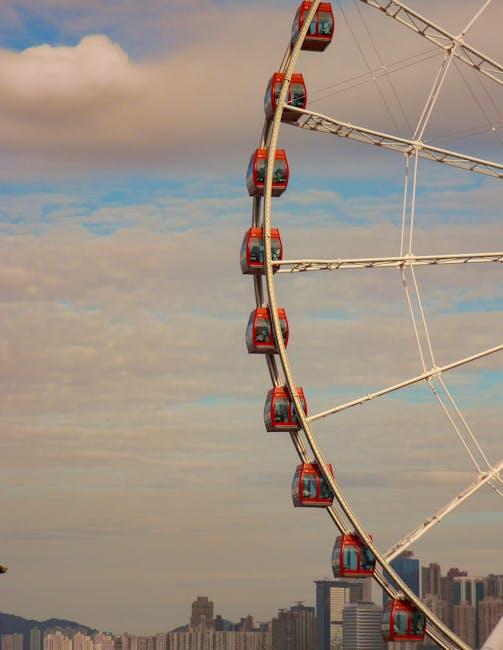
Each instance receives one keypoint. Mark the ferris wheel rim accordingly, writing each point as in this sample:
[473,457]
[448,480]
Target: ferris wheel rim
[270,136]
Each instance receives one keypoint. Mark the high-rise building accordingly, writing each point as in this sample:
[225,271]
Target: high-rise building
[12,641]
[57,641]
[331,598]
[82,642]
[464,623]
[103,642]
[35,638]
[218,623]
[208,639]
[122,642]
[246,624]
[471,590]
[407,568]
[161,641]
[494,586]
[447,587]
[202,612]
[294,629]
[431,580]
[436,605]
[490,612]
[361,627]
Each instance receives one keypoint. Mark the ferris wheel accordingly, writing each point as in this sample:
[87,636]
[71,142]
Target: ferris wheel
[355,555]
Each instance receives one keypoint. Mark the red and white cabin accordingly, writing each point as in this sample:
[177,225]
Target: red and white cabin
[309,488]
[402,621]
[297,96]
[352,558]
[321,30]
[252,250]
[279,410]
[259,333]
[257,169]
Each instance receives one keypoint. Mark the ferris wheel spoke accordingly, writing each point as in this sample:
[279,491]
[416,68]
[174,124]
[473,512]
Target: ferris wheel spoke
[424,527]
[408,382]
[325,124]
[440,37]
[303,265]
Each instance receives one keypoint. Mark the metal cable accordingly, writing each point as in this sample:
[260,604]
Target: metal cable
[388,108]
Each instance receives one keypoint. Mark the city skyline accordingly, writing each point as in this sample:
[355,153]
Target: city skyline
[135,464]
[345,618]
[204,611]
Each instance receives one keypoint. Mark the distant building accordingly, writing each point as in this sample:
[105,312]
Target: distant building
[294,629]
[447,591]
[57,641]
[82,642]
[202,612]
[361,627]
[494,585]
[431,580]
[436,605]
[208,639]
[218,623]
[331,598]
[161,641]
[464,619]
[490,612]
[122,642]
[12,641]
[407,568]
[35,639]
[471,590]
[246,624]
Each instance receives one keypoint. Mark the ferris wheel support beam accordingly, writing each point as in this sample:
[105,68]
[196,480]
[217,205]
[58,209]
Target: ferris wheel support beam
[403,384]
[423,528]
[299,266]
[325,124]
[440,37]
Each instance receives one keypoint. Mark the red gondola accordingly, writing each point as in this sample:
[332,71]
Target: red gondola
[321,30]
[255,176]
[352,558]
[297,96]
[259,334]
[402,621]
[279,410]
[252,250]
[309,488]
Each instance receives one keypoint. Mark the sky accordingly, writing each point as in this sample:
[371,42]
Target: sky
[136,471]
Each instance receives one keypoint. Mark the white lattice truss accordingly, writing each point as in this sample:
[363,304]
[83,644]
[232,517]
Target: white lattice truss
[301,266]
[441,37]
[325,124]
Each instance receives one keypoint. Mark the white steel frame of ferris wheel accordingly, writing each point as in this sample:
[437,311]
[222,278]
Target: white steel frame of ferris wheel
[415,148]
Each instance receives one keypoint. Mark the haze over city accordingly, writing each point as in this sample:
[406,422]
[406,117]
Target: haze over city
[135,465]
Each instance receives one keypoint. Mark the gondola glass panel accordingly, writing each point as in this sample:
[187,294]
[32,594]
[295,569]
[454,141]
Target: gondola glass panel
[351,557]
[306,487]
